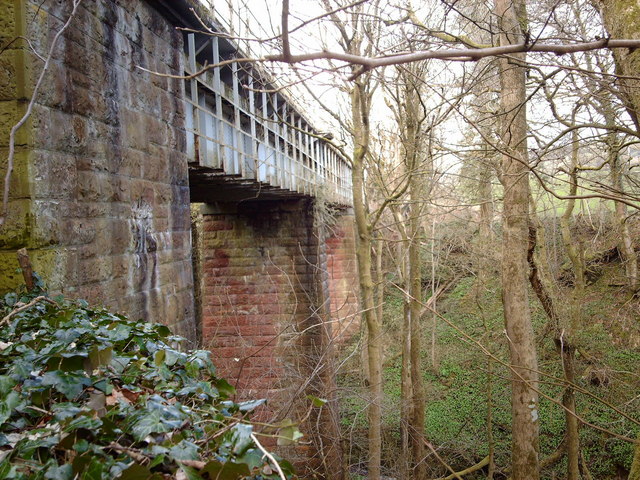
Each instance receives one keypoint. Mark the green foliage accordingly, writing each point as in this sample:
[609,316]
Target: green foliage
[88,394]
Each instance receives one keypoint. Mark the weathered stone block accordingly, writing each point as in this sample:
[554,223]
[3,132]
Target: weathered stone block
[8,87]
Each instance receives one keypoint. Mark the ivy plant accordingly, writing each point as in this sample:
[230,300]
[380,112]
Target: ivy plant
[89,394]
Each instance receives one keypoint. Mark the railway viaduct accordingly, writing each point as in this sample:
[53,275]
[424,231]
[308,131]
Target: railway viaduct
[209,204]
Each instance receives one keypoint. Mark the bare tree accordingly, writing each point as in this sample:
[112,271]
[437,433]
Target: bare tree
[515,180]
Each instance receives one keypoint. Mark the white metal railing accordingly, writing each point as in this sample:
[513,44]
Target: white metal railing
[254,134]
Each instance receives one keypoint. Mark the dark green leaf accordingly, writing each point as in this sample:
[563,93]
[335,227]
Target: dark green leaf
[63,472]
[65,410]
[83,421]
[7,406]
[185,450]
[94,470]
[99,356]
[157,460]
[135,472]
[163,331]
[191,473]
[241,438]
[69,384]
[226,471]
[225,388]
[6,385]
[253,457]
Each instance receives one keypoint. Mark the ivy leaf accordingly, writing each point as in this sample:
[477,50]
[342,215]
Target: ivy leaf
[185,450]
[63,472]
[10,299]
[317,402]
[227,470]
[83,421]
[135,472]
[158,357]
[225,388]
[241,438]
[190,473]
[69,384]
[119,332]
[289,435]
[6,385]
[99,357]
[7,406]
[148,424]
[65,410]
[253,457]
[162,330]
[251,405]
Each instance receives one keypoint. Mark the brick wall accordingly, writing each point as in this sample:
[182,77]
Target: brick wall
[100,191]
[265,312]
[342,271]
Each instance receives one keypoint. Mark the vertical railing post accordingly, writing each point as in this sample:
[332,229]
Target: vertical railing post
[252,112]
[277,129]
[217,92]
[265,131]
[238,162]
[293,160]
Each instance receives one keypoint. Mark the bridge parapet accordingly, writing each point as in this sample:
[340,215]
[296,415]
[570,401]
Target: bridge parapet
[244,133]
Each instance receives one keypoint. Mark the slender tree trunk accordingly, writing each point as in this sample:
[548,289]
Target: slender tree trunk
[406,394]
[434,316]
[566,342]
[514,177]
[379,290]
[622,20]
[485,237]
[415,276]
[625,244]
[360,119]
[634,473]
[406,388]
[571,421]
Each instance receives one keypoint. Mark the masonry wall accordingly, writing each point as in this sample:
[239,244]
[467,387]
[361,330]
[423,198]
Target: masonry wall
[342,273]
[266,315]
[99,194]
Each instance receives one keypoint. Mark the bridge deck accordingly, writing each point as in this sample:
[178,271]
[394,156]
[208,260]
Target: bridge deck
[243,135]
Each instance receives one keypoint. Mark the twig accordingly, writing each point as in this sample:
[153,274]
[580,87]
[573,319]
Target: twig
[455,55]
[269,456]
[41,298]
[197,464]
[482,463]
[136,455]
[442,461]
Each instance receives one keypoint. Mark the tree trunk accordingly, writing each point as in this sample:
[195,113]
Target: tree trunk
[567,353]
[517,316]
[625,244]
[634,473]
[360,119]
[622,20]
[415,277]
[406,395]
[485,234]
